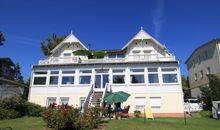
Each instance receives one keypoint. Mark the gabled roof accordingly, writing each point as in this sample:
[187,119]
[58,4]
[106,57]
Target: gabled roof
[142,35]
[69,39]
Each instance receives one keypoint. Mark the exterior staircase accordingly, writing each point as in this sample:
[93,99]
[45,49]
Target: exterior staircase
[96,99]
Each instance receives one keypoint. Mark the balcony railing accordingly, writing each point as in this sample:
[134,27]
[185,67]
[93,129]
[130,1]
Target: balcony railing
[131,58]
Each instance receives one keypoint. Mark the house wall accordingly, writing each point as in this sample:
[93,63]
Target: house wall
[170,93]
[195,66]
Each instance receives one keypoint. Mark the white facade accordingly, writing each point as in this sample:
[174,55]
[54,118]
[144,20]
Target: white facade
[143,68]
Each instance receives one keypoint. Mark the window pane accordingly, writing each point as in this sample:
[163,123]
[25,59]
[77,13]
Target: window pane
[85,71]
[155,102]
[101,71]
[68,72]
[51,100]
[84,79]
[168,69]
[137,78]
[64,100]
[170,78]
[40,72]
[40,80]
[111,55]
[67,54]
[153,78]
[68,80]
[54,72]
[118,71]
[140,103]
[137,70]
[121,56]
[54,80]
[152,69]
[118,79]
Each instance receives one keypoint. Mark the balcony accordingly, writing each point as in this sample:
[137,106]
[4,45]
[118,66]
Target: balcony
[131,58]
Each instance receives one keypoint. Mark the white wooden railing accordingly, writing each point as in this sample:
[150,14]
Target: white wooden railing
[130,58]
[107,89]
[88,98]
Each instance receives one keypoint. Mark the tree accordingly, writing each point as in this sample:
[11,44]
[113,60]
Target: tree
[50,43]
[212,92]
[2,39]
[17,74]
[186,87]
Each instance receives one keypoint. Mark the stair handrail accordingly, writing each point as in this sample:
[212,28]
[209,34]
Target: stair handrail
[86,103]
[103,95]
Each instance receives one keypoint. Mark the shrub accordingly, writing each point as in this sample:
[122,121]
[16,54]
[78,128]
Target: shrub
[82,52]
[14,104]
[99,54]
[90,119]
[8,113]
[60,117]
[137,113]
[207,114]
[33,109]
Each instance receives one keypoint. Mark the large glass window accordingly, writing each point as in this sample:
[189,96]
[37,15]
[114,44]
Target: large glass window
[40,80]
[153,75]
[137,76]
[169,75]
[85,79]
[137,79]
[67,79]
[118,76]
[118,79]
[170,78]
[54,77]
[111,55]
[153,78]
[54,80]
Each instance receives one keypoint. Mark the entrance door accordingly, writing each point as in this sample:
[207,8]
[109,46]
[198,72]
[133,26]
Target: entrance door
[101,80]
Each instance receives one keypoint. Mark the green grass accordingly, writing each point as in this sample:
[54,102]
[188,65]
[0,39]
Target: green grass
[36,123]
[164,124]
[24,123]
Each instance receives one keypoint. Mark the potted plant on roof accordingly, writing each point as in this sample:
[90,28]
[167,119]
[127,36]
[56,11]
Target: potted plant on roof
[99,54]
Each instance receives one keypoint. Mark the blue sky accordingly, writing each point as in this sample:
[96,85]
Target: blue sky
[182,25]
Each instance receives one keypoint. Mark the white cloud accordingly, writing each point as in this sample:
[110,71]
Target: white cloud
[157,14]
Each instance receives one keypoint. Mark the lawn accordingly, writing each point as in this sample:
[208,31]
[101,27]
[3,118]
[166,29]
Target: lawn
[36,123]
[24,123]
[164,124]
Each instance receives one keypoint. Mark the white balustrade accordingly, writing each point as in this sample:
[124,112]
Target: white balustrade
[130,58]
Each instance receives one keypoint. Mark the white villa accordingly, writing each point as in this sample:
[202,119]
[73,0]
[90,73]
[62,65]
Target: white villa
[144,68]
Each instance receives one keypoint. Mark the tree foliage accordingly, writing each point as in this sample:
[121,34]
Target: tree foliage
[2,39]
[17,74]
[186,87]
[50,43]
[212,92]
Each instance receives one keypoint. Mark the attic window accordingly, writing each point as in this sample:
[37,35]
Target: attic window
[136,51]
[67,54]
[136,43]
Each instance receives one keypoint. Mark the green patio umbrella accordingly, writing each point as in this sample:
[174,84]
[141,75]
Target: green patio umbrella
[116,97]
